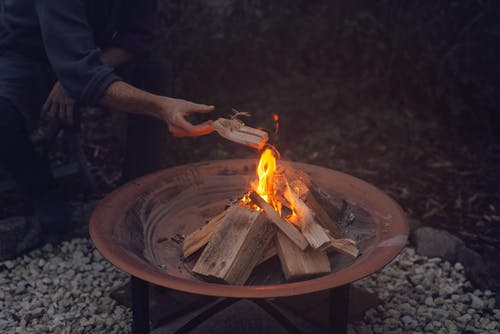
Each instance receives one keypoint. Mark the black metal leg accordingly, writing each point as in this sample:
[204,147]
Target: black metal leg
[206,314]
[339,307]
[140,306]
[277,315]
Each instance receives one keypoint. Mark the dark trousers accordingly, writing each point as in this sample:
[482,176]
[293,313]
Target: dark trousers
[145,136]
[18,157]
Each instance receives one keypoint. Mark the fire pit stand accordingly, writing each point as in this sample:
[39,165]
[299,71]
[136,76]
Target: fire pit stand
[139,228]
[338,300]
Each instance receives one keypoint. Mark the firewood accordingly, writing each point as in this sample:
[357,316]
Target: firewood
[297,264]
[235,248]
[236,131]
[199,238]
[287,228]
[325,201]
[312,231]
[307,196]
[345,246]
[270,252]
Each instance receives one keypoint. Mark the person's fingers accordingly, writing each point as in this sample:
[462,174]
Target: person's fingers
[199,108]
[177,132]
[195,130]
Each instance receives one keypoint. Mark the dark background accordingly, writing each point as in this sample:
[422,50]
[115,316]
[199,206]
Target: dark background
[403,94]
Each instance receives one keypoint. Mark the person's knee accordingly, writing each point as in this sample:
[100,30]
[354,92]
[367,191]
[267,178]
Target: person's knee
[152,74]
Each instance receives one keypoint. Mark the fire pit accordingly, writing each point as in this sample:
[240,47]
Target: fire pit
[139,228]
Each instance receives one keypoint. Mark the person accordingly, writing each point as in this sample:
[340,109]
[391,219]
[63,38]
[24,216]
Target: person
[59,55]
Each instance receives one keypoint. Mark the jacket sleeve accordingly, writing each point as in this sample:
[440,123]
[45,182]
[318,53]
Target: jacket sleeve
[136,25]
[71,50]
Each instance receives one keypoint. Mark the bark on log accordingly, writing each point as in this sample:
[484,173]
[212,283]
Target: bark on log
[235,248]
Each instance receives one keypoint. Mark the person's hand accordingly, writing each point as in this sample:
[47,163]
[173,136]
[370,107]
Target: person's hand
[59,105]
[175,113]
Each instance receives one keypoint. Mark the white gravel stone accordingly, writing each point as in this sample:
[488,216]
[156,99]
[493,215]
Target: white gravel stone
[65,289]
[476,302]
[52,291]
[433,293]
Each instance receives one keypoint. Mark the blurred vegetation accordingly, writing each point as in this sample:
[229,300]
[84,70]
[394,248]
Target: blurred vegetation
[437,60]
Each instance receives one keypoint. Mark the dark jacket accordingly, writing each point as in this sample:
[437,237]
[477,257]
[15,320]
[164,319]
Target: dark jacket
[45,40]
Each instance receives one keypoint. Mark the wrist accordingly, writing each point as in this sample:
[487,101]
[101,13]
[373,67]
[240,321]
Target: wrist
[163,106]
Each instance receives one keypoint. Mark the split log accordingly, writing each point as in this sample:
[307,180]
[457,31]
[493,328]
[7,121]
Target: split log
[199,238]
[307,196]
[325,201]
[235,248]
[312,231]
[345,246]
[236,131]
[288,229]
[297,264]
[268,253]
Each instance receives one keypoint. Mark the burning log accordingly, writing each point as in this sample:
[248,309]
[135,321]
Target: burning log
[308,197]
[199,238]
[305,193]
[315,234]
[236,247]
[236,131]
[297,264]
[288,229]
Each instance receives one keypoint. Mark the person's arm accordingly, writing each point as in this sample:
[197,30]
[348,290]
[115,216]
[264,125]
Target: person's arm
[59,104]
[115,57]
[76,61]
[124,97]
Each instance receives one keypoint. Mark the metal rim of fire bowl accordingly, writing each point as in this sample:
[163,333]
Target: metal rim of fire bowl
[380,206]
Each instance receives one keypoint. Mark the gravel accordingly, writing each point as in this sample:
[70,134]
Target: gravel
[65,289]
[427,295]
[62,289]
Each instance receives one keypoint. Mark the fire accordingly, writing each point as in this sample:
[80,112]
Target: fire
[267,177]
[266,172]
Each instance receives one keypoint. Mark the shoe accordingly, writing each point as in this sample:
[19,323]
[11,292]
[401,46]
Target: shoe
[52,212]
[18,235]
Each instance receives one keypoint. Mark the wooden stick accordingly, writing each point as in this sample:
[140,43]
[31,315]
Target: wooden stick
[345,246]
[325,201]
[238,132]
[235,248]
[307,196]
[199,238]
[312,231]
[287,228]
[270,252]
[297,264]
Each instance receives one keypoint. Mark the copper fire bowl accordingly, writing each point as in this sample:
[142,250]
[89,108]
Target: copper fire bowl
[138,227]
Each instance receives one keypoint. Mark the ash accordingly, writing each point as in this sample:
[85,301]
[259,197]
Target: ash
[65,289]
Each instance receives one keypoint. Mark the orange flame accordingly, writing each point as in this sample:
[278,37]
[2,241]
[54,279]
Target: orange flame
[266,171]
